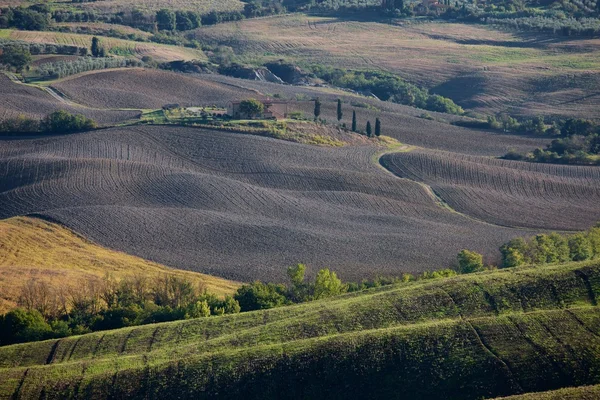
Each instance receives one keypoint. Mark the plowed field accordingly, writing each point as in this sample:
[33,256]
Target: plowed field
[235,205]
[512,193]
[18,99]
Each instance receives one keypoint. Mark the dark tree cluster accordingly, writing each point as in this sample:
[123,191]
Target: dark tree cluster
[56,122]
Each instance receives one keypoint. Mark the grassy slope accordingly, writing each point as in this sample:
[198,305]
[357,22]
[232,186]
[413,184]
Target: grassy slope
[33,248]
[483,335]
[160,52]
[575,393]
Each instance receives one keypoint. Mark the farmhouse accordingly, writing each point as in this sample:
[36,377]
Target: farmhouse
[272,110]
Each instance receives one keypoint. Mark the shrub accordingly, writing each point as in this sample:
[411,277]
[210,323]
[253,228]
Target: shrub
[258,296]
[63,122]
[469,261]
[15,56]
[23,326]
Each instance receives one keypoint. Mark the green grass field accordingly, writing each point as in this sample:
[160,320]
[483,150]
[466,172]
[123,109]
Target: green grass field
[483,335]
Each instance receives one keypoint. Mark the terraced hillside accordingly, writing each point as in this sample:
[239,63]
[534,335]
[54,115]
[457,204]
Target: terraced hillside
[506,192]
[483,69]
[16,99]
[47,252]
[237,206]
[474,336]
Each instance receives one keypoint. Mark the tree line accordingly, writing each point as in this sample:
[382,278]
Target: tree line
[552,248]
[579,143]
[386,87]
[57,122]
[45,313]
[340,114]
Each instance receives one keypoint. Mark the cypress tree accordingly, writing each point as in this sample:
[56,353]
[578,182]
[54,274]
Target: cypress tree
[369,128]
[353,121]
[317,111]
[377,127]
[95,46]
[340,114]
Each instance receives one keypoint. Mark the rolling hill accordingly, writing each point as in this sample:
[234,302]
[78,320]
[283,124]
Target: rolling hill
[485,335]
[33,102]
[484,69]
[45,251]
[237,206]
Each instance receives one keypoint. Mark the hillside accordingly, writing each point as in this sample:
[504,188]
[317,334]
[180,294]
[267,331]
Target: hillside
[18,99]
[32,248]
[474,336]
[483,69]
[238,206]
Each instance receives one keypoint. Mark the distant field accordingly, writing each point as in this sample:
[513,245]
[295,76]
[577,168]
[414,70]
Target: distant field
[18,99]
[146,88]
[116,6]
[470,337]
[506,192]
[47,252]
[159,52]
[483,69]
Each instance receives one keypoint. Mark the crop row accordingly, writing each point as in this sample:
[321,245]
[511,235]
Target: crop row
[237,206]
[506,192]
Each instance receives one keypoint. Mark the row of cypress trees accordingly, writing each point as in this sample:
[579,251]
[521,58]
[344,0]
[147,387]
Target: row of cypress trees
[368,130]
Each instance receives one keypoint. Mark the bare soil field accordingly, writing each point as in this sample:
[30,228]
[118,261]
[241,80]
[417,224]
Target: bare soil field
[146,88]
[16,99]
[398,121]
[159,52]
[237,206]
[511,193]
[502,70]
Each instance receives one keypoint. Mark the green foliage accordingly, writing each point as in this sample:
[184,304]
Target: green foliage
[95,49]
[56,122]
[550,249]
[317,109]
[469,261]
[413,340]
[32,18]
[251,107]
[327,284]
[62,69]
[340,113]
[354,121]
[110,305]
[580,248]
[15,56]
[20,124]
[387,87]
[368,129]
[377,127]
[166,20]
[19,326]
[259,296]
[64,122]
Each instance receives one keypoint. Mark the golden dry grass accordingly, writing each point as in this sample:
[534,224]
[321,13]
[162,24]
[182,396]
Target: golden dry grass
[34,248]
